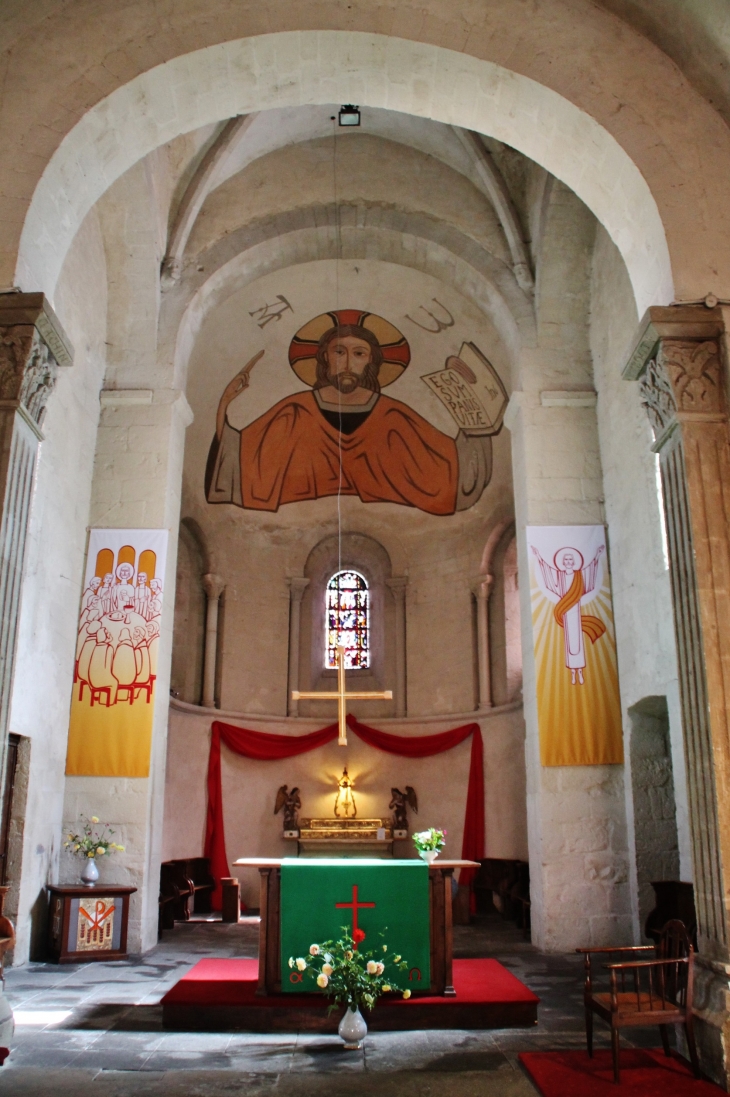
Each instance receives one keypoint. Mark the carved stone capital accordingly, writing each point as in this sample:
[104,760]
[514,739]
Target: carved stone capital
[657,398]
[297,586]
[397,584]
[677,360]
[213,585]
[682,383]
[32,347]
[481,587]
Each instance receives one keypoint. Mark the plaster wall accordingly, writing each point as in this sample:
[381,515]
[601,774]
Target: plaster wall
[237,77]
[53,574]
[358,165]
[256,551]
[633,508]
[249,787]
[576,815]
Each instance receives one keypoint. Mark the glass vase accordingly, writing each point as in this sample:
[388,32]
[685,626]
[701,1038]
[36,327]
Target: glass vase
[429,855]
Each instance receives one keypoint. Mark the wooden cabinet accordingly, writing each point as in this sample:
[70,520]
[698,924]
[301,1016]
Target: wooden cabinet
[88,923]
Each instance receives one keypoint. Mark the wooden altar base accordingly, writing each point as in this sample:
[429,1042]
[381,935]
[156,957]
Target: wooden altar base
[221,995]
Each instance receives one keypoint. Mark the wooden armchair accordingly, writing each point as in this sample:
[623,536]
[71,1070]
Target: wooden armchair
[643,991]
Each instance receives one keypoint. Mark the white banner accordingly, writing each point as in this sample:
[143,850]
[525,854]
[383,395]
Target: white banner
[117,645]
[579,711]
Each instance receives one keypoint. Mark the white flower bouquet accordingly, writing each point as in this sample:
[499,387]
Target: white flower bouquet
[350,977]
[431,839]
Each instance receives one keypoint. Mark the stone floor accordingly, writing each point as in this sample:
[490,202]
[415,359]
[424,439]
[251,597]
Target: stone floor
[97,1029]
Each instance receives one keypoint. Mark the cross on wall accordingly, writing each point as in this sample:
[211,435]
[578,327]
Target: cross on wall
[342,697]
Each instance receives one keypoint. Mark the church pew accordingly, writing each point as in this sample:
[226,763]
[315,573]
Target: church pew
[186,887]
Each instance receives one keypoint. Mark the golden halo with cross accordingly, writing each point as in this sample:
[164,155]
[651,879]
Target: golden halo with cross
[393,344]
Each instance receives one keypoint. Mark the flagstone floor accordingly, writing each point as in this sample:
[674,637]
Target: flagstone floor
[97,1029]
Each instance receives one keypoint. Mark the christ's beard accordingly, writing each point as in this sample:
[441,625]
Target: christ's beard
[344,382]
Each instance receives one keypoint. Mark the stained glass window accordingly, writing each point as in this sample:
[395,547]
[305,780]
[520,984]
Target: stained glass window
[348,620]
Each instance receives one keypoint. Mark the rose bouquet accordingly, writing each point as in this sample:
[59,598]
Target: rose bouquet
[91,842]
[430,840]
[349,977]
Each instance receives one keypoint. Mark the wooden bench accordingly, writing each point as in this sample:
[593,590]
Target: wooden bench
[186,887]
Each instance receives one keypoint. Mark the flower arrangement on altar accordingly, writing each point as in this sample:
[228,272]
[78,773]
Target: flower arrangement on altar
[90,844]
[349,977]
[432,840]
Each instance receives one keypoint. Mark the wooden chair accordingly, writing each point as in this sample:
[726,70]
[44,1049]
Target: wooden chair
[643,991]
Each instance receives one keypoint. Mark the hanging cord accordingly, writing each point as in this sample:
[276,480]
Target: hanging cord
[338,248]
[338,238]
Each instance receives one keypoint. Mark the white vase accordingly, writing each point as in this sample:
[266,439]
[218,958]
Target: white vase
[89,873]
[429,855]
[352,1030]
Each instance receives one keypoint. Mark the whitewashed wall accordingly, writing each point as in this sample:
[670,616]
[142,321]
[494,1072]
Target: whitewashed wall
[641,589]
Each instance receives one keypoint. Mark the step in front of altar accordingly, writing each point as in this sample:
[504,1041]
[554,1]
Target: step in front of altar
[220,994]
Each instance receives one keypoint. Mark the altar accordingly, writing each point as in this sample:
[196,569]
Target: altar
[401,921]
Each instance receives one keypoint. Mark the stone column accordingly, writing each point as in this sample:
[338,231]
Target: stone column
[679,361]
[137,485]
[481,589]
[576,815]
[398,585]
[32,347]
[297,587]
[213,586]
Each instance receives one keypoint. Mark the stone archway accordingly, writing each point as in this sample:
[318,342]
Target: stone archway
[246,75]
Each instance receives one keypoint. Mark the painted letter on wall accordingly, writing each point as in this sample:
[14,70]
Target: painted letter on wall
[578,703]
[116,653]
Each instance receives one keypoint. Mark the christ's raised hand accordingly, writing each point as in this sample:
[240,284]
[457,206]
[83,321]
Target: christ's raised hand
[233,389]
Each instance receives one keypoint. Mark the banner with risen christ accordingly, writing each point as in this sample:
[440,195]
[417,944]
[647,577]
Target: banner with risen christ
[578,701]
[115,669]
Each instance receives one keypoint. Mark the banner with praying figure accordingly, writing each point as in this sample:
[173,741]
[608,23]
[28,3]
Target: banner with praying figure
[578,701]
[115,670]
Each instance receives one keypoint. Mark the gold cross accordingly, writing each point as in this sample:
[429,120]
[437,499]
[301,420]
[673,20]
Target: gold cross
[342,697]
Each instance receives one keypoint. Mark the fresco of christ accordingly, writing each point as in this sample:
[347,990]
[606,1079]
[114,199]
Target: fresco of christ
[343,434]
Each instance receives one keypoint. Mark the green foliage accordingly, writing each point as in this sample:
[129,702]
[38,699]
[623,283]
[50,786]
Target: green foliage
[350,977]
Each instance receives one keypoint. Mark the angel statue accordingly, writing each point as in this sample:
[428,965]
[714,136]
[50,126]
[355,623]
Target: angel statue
[290,802]
[399,802]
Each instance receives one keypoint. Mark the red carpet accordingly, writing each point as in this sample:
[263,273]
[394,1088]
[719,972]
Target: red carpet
[222,993]
[643,1073]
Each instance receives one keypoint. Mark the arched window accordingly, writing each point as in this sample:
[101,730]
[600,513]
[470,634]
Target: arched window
[347,620]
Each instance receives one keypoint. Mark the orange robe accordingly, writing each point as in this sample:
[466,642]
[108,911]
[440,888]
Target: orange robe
[291,454]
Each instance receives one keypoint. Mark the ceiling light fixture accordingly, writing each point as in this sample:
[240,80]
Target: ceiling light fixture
[349,115]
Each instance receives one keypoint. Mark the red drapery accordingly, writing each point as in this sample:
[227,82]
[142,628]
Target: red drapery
[266,746]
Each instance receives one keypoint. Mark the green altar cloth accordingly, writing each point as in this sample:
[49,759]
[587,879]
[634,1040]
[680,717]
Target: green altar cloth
[319,897]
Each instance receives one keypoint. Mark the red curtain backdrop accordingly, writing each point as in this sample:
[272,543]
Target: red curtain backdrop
[266,746]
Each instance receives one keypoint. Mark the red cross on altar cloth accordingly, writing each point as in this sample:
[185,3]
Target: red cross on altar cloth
[357,934]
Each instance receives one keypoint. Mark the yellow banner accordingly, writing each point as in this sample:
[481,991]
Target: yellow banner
[115,670]
[578,700]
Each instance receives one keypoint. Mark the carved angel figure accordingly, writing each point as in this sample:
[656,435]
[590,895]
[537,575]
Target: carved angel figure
[291,803]
[400,801]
